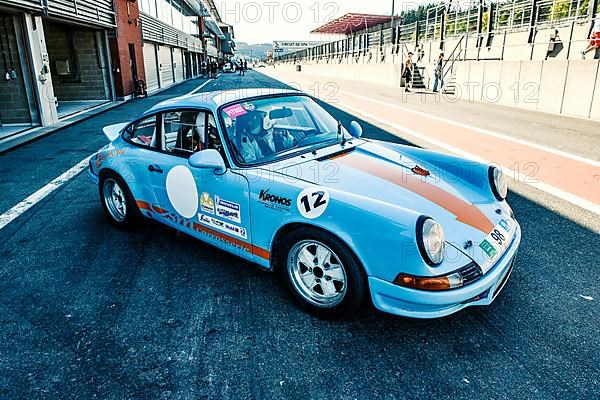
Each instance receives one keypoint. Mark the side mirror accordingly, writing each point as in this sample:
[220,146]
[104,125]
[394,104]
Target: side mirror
[355,129]
[208,159]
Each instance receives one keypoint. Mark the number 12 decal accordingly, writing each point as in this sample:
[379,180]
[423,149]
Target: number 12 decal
[312,202]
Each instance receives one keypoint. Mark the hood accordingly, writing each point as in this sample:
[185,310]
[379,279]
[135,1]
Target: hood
[386,175]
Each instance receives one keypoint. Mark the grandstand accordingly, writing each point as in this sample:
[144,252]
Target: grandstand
[535,42]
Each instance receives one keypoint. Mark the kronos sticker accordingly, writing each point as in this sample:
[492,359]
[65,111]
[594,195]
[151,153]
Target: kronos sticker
[312,202]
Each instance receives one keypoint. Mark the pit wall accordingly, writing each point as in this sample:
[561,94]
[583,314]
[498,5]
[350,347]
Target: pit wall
[569,87]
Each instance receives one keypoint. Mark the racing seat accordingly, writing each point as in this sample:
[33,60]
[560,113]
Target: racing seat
[190,136]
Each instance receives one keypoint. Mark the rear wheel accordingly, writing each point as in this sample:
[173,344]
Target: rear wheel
[322,273]
[118,202]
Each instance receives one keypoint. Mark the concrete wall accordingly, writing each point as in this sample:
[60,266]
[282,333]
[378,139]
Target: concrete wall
[551,92]
[382,73]
[570,87]
[14,107]
[89,82]
[579,88]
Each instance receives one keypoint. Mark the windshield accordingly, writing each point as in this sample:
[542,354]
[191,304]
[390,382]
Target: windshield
[269,129]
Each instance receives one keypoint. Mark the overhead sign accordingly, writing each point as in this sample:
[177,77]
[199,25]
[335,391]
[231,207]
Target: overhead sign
[288,46]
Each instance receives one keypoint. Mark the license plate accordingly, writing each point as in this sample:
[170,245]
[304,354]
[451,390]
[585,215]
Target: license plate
[498,240]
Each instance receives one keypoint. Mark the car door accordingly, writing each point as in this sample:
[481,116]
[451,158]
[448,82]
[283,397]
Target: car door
[133,165]
[211,207]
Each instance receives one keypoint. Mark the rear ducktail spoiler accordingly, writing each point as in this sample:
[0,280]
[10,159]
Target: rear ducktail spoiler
[112,131]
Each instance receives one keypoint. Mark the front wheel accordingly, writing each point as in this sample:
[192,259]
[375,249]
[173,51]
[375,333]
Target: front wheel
[117,202]
[322,273]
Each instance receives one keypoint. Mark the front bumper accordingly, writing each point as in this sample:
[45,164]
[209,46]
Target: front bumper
[414,303]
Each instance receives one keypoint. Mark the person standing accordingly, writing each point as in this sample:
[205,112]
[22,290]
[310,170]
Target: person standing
[594,39]
[215,67]
[439,73]
[408,72]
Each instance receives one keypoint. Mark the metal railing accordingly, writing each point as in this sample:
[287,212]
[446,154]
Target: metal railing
[454,56]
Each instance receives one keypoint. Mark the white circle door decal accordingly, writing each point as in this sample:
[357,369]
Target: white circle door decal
[182,191]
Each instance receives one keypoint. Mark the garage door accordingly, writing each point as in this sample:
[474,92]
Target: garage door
[166,65]
[178,63]
[150,66]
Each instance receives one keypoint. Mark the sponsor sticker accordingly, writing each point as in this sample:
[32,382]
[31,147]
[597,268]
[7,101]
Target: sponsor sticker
[274,201]
[234,111]
[228,210]
[498,240]
[223,226]
[206,203]
[248,106]
[100,157]
[488,248]
[312,202]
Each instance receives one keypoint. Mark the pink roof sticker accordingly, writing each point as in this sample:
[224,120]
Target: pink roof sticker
[234,111]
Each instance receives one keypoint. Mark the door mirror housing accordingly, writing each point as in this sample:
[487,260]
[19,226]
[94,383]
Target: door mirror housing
[355,129]
[208,159]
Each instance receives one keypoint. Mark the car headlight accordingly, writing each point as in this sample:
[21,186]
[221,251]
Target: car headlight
[498,182]
[430,240]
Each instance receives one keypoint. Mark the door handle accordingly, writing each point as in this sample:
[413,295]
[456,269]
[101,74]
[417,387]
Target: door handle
[155,168]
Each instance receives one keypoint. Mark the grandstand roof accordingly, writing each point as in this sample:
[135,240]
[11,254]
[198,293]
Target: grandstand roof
[352,22]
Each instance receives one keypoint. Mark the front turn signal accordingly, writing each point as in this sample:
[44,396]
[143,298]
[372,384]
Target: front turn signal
[436,283]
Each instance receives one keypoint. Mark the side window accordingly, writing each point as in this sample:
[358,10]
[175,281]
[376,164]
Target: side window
[144,132]
[183,131]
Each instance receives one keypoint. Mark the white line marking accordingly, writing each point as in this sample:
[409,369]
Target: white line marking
[483,131]
[38,196]
[200,87]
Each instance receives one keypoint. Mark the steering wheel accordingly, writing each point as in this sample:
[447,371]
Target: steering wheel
[308,136]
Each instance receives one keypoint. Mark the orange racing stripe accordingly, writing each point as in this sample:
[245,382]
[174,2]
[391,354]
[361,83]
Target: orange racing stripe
[465,212]
[142,205]
[257,251]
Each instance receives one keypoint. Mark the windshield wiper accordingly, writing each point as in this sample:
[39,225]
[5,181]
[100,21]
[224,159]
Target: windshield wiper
[318,146]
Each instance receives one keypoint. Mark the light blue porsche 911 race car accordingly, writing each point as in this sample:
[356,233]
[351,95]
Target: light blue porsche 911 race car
[270,176]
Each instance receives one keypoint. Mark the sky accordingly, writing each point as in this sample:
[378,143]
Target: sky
[263,21]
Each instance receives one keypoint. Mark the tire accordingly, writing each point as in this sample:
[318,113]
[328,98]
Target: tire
[117,202]
[334,285]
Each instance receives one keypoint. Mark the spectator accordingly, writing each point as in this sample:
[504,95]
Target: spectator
[213,68]
[554,45]
[594,39]
[420,53]
[408,72]
[439,73]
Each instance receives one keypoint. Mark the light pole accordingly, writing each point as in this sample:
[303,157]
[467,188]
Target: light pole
[392,21]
